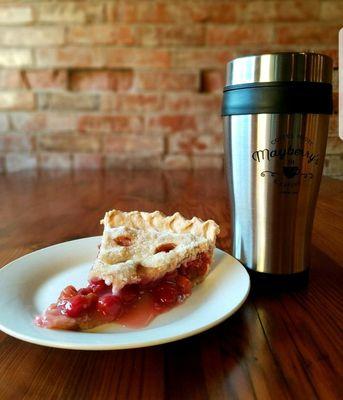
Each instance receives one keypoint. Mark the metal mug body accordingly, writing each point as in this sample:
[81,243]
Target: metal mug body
[274,164]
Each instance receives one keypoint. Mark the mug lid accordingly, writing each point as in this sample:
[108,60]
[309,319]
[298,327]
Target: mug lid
[279,67]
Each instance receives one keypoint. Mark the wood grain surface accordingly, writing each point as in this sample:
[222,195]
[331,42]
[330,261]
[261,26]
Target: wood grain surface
[280,346]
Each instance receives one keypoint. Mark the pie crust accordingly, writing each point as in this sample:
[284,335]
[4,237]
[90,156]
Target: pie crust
[131,249]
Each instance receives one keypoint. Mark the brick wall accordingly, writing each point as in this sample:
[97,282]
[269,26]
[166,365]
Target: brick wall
[137,83]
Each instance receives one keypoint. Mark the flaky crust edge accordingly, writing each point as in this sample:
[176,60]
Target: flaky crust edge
[176,223]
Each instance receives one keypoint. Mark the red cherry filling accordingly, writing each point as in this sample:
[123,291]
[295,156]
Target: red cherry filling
[77,305]
[184,285]
[109,305]
[165,294]
[97,286]
[85,291]
[96,304]
[129,294]
[196,268]
[68,292]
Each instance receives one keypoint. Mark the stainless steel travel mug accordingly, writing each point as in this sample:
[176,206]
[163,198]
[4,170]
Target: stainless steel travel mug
[276,112]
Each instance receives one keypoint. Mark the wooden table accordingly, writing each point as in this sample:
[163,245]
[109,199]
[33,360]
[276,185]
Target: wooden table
[285,346]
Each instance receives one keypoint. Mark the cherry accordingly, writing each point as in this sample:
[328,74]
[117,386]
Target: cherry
[184,285]
[195,268]
[109,305]
[205,261]
[68,292]
[165,247]
[201,269]
[171,276]
[98,286]
[188,271]
[165,293]
[75,306]
[85,291]
[123,241]
[129,294]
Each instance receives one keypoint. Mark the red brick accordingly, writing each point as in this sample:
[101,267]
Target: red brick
[11,79]
[212,80]
[131,102]
[170,35]
[109,102]
[171,80]
[276,11]
[142,145]
[101,34]
[117,80]
[15,58]
[257,11]
[333,53]
[207,162]
[333,126]
[41,122]
[4,122]
[20,161]
[218,12]
[86,143]
[333,165]
[331,10]
[166,12]
[335,102]
[111,12]
[15,14]
[201,58]
[68,101]
[232,35]
[132,162]
[177,161]
[334,146]
[145,11]
[297,10]
[335,80]
[14,142]
[307,33]
[17,100]
[45,79]
[60,122]
[68,142]
[69,57]
[137,57]
[70,12]
[87,161]
[193,102]
[110,123]
[200,144]
[210,124]
[28,122]
[53,142]
[171,123]
[58,161]
[31,36]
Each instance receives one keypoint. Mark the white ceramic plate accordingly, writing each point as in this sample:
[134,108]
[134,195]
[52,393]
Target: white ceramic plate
[31,283]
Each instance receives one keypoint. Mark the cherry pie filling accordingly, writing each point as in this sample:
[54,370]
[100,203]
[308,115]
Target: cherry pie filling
[134,306]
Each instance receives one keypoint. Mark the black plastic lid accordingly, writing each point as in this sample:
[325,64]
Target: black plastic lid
[279,83]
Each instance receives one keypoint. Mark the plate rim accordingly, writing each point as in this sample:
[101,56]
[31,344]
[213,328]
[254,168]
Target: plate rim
[119,346]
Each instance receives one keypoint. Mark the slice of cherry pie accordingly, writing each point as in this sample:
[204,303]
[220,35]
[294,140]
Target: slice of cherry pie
[147,263]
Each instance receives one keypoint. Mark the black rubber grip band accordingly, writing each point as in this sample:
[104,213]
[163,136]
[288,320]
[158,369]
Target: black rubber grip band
[278,98]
